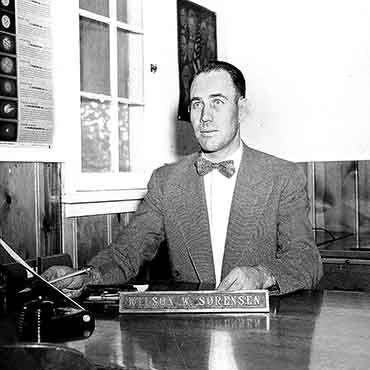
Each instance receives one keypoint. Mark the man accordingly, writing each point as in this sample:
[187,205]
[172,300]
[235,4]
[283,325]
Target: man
[241,224]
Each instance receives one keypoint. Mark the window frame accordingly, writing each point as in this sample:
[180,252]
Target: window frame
[80,187]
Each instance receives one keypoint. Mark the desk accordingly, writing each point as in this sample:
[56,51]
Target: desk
[304,330]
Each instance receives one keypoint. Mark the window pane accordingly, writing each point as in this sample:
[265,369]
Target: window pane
[123,132]
[130,11]
[96,6]
[130,65]
[94,54]
[95,135]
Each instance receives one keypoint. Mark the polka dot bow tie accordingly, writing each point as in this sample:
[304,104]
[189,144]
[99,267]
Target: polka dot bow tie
[205,166]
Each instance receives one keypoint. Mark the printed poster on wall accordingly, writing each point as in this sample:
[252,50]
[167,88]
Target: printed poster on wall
[197,45]
[26,96]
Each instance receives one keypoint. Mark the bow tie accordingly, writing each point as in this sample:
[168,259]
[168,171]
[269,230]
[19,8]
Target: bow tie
[205,166]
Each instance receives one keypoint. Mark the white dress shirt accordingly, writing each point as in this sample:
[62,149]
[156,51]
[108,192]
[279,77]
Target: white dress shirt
[219,193]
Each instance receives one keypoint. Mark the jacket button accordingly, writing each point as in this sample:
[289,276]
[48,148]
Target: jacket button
[177,273]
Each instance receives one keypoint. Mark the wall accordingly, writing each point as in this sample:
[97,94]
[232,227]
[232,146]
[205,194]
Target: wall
[162,132]
[307,72]
[30,209]
[308,75]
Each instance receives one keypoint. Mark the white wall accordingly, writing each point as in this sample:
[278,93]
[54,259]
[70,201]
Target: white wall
[158,134]
[307,65]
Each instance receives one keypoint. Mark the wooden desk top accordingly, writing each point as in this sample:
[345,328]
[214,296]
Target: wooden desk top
[305,330]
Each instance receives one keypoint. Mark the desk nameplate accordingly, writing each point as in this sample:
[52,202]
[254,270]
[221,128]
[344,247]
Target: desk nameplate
[211,301]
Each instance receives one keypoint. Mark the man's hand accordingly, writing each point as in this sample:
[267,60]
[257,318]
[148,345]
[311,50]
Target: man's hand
[72,286]
[247,278]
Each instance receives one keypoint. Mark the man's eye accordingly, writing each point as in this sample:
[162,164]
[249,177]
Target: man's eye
[196,105]
[218,102]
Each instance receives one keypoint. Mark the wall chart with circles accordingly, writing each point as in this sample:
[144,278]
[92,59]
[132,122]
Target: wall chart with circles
[26,98]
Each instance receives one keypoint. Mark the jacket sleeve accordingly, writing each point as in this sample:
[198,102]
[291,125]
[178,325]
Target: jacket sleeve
[298,263]
[138,242]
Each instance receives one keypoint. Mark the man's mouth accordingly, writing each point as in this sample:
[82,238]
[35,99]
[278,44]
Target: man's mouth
[208,132]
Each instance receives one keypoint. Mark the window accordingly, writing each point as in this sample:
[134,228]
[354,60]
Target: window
[111,87]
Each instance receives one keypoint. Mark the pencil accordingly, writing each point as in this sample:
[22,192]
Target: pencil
[76,273]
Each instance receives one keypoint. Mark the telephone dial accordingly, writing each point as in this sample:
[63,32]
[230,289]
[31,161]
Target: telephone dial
[42,320]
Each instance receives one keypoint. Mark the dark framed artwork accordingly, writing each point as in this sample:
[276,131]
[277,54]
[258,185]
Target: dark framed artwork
[197,45]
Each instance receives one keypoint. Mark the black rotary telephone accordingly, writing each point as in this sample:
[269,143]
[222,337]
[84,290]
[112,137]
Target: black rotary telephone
[43,318]
[40,312]
[43,312]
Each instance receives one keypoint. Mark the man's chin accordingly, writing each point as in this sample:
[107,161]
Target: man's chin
[208,147]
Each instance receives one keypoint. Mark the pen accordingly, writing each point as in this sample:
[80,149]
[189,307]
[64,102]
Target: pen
[95,298]
[76,273]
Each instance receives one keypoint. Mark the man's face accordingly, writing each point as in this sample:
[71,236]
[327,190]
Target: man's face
[214,113]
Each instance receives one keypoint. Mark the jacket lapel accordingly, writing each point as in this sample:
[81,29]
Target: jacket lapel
[252,188]
[194,223]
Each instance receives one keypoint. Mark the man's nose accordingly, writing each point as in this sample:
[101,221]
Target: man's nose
[206,114]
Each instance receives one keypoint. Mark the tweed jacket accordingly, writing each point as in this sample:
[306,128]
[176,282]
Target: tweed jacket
[268,225]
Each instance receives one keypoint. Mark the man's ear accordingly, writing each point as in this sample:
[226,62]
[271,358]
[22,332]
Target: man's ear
[243,109]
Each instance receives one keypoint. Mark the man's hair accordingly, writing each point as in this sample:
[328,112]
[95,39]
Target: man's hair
[235,74]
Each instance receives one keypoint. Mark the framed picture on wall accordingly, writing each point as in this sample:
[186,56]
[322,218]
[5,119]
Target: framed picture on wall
[197,45]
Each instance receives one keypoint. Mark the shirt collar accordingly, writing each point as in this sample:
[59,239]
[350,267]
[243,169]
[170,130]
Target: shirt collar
[237,156]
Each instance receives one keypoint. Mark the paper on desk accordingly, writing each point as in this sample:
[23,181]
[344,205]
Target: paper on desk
[21,261]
